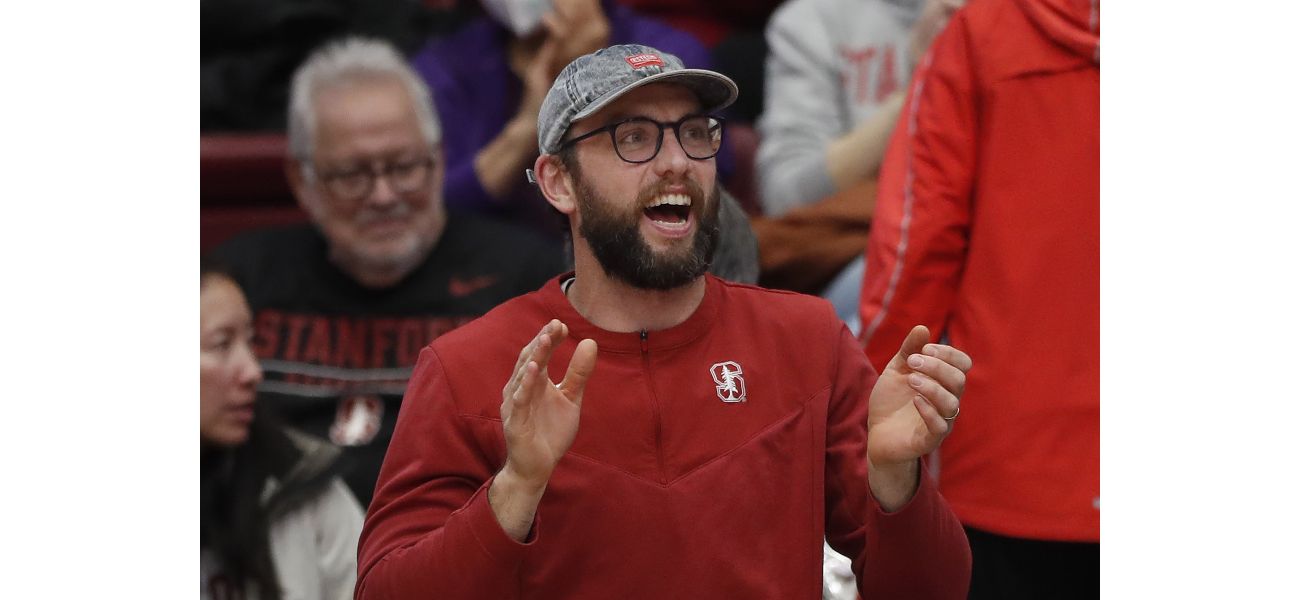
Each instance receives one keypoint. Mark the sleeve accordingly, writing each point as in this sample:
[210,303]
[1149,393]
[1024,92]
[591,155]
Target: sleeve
[462,119]
[919,551]
[917,246]
[430,531]
[339,525]
[800,117]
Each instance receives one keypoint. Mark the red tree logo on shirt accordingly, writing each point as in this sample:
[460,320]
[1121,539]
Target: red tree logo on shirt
[731,383]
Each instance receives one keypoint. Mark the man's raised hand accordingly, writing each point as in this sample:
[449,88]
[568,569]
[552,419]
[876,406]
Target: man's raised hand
[912,409]
[540,419]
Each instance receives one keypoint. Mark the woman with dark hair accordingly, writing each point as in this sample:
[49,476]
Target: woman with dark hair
[276,521]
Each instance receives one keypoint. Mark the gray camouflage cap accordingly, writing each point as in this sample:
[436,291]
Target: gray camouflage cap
[592,81]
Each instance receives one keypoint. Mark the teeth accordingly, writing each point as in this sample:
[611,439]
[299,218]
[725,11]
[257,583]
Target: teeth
[672,199]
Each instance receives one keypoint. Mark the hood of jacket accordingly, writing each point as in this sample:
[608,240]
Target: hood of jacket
[1073,24]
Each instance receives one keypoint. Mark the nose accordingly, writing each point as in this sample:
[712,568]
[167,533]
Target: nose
[249,370]
[672,159]
[382,194]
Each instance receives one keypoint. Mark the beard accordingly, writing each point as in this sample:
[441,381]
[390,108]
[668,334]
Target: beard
[381,262]
[615,239]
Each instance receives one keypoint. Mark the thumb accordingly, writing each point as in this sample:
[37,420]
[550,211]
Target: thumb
[912,344]
[581,366]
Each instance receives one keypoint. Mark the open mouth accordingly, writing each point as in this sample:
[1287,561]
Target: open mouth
[669,209]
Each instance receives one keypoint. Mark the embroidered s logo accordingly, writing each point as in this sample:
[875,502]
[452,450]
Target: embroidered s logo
[730,381]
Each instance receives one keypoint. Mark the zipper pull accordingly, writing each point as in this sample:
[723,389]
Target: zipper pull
[644,344]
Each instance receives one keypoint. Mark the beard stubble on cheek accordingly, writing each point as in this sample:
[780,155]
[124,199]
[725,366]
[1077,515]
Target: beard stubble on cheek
[615,238]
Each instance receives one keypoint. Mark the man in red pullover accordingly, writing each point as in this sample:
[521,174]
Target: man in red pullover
[987,229]
[726,429]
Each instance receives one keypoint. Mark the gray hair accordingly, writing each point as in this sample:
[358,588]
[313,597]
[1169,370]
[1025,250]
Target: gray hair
[345,60]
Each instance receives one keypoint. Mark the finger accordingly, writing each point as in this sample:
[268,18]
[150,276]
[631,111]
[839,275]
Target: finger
[512,384]
[525,355]
[526,352]
[934,422]
[950,355]
[546,345]
[943,400]
[581,366]
[534,377]
[553,24]
[522,400]
[912,344]
[507,402]
[511,394]
[557,330]
[949,376]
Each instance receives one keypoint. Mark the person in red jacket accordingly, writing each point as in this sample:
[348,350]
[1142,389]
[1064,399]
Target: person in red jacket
[726,429]
[986,231]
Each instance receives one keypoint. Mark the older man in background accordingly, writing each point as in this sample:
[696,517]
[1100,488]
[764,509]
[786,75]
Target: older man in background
[343,305]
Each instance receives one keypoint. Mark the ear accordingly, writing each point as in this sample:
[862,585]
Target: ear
[556,183]
[302,191]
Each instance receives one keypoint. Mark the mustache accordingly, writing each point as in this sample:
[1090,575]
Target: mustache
[658,188]
[368,214]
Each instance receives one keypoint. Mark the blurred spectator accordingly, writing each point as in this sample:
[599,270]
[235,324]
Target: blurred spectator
[342,306]
[275,521]
[836,76]
[732,30]
[987,229]
[709,22]
[249,48]
[488,81]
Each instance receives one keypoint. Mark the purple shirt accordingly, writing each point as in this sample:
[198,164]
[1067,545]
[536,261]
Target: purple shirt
[476,94]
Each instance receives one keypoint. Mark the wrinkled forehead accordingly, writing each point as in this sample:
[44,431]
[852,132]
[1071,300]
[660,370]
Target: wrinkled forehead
[374,118]
[659,101]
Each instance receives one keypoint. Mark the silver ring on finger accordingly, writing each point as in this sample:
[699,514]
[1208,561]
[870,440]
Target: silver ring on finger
[954,415]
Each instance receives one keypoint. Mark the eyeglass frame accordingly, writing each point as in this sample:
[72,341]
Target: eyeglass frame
[429,162]
[659,144]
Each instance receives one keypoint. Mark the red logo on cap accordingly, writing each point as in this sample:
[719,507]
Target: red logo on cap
[644,60]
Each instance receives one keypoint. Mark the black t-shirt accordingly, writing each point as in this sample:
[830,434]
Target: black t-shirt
[337,355]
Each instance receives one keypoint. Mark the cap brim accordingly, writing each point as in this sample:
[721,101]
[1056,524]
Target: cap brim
[716,91]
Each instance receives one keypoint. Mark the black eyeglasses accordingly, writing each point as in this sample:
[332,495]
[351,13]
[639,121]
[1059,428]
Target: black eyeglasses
[638,139]
[404,176]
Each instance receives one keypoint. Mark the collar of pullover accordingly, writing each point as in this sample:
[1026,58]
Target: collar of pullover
[609,341]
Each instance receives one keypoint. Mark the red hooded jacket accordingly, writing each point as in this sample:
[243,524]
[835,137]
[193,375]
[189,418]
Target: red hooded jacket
[986,228]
